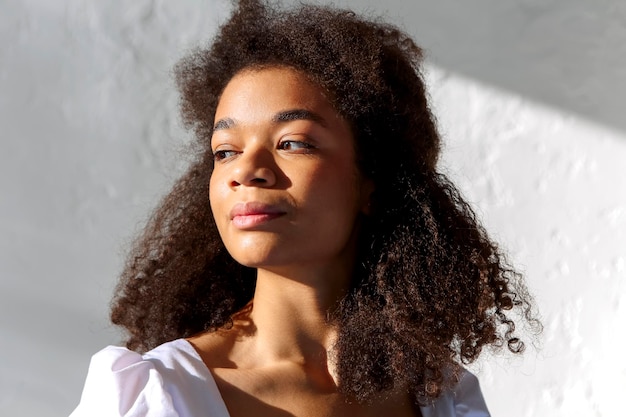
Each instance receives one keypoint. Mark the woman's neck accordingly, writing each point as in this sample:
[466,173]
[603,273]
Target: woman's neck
[291,314]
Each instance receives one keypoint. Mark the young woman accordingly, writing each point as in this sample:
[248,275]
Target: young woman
[312,261]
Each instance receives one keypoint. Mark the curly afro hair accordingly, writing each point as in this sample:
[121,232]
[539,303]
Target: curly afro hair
[430,288]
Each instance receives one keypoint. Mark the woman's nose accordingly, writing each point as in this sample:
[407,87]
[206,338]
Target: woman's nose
[254,168]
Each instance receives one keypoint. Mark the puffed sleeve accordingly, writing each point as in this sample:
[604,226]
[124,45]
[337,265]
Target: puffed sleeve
[121,383]
[468,398]
[465,400]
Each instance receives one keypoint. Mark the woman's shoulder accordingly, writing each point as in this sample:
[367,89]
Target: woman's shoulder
[170,380]
[173,381]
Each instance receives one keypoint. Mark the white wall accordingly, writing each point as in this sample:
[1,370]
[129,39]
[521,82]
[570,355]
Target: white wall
[529,96]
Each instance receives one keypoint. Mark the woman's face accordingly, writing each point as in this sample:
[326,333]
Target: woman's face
[285,190]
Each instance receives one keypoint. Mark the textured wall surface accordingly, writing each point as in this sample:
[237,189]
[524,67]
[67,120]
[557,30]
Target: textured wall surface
[530,100]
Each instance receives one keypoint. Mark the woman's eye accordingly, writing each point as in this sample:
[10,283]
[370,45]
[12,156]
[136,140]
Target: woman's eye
[294,145]
[223,154]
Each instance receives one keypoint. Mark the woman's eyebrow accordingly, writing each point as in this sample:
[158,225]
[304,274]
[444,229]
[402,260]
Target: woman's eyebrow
[280,117]
[298,114]
[225,123]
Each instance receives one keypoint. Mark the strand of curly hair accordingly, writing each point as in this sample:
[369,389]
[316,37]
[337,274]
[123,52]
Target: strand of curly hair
[430,288]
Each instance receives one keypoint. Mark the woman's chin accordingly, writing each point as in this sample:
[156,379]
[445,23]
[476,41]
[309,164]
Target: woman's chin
[257,259]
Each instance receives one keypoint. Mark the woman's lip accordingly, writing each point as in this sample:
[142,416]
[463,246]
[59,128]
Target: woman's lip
[252,220]
[252,208]
[250,214]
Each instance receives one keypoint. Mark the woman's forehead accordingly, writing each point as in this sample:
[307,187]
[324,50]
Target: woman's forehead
[278,89]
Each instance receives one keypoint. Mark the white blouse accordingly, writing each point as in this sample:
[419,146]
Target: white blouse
[173,381]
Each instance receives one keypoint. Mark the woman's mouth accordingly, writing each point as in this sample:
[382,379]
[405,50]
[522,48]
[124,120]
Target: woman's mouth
[252,214]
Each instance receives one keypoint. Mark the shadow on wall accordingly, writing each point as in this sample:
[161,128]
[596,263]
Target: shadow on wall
[569,54]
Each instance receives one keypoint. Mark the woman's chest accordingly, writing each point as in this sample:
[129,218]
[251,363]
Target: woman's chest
[284,394]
